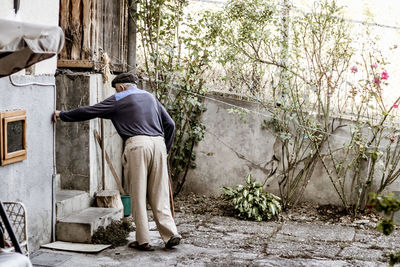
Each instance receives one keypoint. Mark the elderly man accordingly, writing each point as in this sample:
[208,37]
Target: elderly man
[148,132]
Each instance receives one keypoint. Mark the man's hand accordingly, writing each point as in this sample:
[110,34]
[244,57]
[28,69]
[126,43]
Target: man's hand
[56,115]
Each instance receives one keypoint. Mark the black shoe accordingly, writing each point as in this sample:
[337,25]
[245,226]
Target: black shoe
[173,241]
[142,247]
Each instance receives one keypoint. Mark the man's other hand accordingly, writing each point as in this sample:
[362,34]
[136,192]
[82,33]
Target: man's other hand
[56,115]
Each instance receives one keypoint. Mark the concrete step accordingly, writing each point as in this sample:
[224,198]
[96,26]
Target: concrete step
[79,227]
[71,201]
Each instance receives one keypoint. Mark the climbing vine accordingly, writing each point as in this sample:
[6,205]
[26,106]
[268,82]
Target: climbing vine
[175,54]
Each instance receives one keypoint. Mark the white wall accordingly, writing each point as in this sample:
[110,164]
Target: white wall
[39,12]
[30,181]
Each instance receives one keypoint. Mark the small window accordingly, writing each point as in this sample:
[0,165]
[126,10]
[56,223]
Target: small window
[13,136]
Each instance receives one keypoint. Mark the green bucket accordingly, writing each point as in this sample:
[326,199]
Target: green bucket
[126,201]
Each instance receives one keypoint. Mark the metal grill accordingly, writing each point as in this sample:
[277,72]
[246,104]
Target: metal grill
[16,213]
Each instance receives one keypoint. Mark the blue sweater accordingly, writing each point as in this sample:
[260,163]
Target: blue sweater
[132,112]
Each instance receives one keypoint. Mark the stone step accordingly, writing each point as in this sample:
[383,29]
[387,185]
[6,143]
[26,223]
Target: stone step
[71,201]
[79,227]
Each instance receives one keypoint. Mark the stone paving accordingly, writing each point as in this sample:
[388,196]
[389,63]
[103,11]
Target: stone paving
[226,241]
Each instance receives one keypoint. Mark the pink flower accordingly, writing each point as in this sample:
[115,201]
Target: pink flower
[384,75]
[377,80]
[395,105]
[374,66]
[354,69]
[395,46]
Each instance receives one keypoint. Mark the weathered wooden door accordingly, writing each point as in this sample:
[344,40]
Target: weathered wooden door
[94,27]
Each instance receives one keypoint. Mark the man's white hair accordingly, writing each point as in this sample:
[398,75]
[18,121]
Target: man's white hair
[128,85]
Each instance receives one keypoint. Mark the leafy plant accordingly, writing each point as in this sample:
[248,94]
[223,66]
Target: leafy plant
[394,258]
[316,78]
[387,205]
[309,70]
[253,44]
[251,202]
[175,54]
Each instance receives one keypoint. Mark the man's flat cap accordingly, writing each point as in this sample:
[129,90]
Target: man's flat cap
[124,78]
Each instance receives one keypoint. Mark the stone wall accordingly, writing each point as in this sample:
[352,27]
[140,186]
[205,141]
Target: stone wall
[78,153]
[231,149]
[30,181]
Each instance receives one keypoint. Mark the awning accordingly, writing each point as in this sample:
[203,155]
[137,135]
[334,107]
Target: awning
[24,44]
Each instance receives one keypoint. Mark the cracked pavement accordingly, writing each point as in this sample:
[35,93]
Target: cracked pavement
[210,240]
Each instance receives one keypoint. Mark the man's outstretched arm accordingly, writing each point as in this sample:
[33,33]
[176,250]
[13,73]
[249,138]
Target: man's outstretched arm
[101,110]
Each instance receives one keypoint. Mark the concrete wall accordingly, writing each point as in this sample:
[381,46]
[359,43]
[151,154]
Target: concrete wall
[231,149]
[38,12]
[30,181]
[78,153]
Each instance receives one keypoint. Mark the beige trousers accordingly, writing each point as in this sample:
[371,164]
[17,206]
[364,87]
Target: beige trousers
[146,172]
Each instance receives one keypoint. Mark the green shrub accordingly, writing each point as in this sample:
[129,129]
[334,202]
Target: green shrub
[251,202]
[387,205]
[394,258]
